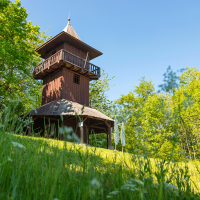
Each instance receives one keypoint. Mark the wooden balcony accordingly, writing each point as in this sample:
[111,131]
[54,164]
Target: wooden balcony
[66,59]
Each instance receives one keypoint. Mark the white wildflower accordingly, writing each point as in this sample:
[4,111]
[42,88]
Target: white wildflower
[110,195]
[114,192]
[95,183]
[16,144]
[128,186]
[9,159]
[137,181]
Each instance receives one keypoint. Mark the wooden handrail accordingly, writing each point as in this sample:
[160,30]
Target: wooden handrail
[68,57]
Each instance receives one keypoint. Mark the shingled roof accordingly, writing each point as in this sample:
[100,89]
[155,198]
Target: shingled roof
[65,107]
[68,29]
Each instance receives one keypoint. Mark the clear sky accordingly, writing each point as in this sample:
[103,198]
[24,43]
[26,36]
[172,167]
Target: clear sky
[137,38]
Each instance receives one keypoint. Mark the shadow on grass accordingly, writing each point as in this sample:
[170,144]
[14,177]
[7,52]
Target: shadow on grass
[50,169]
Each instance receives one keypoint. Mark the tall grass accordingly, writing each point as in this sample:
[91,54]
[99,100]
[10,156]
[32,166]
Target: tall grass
[39,168]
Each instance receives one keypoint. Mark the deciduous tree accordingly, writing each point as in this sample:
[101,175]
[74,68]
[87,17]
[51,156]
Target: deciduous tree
[97,94]
[18,40]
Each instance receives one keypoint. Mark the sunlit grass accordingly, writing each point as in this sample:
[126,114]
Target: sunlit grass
[38,168]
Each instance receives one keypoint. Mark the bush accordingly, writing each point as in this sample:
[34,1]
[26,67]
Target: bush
[171,151]
[98,140]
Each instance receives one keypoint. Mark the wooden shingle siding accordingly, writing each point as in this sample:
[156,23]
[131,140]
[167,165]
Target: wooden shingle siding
[76,51]
[58,48]
[70,48]
[61,85]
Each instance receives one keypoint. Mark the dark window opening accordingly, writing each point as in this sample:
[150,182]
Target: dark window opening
[76,79]
[53,52]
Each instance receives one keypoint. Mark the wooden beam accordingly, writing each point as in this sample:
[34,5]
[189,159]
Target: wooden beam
[96,127]
[87,73]
[106,123]
[35,118]
[97,124]
[70,118]
[52,118]
[95,77]
[80,70]
[105,130]
[84,119]
[97,131]
[72,67]
[61,63]
[96,118]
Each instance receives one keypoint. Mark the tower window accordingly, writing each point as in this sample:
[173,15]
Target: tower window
[76,79]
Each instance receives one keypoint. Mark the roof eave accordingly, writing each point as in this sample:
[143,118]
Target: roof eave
[68,38]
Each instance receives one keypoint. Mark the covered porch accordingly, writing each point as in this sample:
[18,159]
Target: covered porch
[84,120]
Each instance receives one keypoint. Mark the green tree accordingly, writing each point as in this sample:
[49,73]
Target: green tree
[18,40]
[129,110]
[169,150]
[157,122]
[186,108]
[97,94]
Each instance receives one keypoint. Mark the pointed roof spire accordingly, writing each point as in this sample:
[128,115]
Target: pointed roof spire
[68,29]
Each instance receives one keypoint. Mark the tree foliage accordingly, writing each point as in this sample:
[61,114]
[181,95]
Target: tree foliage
[163,125]
[18,40]
[97,94]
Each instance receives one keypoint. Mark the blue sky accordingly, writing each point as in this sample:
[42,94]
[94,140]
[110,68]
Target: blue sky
[137,38]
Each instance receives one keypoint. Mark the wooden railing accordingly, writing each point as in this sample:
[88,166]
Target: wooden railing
[67,57]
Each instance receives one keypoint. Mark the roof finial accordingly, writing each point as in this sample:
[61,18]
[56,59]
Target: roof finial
[68,29]
[69,18]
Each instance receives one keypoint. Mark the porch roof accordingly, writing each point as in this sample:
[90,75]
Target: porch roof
[65,107]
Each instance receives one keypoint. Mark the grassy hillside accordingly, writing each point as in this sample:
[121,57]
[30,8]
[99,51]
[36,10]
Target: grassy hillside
[37,168]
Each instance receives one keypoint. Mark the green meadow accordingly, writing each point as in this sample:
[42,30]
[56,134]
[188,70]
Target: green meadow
[39,168]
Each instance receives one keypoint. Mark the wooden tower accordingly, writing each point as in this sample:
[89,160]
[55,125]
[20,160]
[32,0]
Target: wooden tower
[66,72]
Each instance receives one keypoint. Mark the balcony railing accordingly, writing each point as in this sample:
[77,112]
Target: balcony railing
[69,58]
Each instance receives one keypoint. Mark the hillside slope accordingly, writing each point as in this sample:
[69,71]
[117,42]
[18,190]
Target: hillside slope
[38,168]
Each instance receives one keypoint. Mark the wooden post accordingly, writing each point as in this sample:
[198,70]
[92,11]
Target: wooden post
[29,129]
[107,140]
[87,135]
[108,134]
[60,124]
[81,133]
[56,127]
